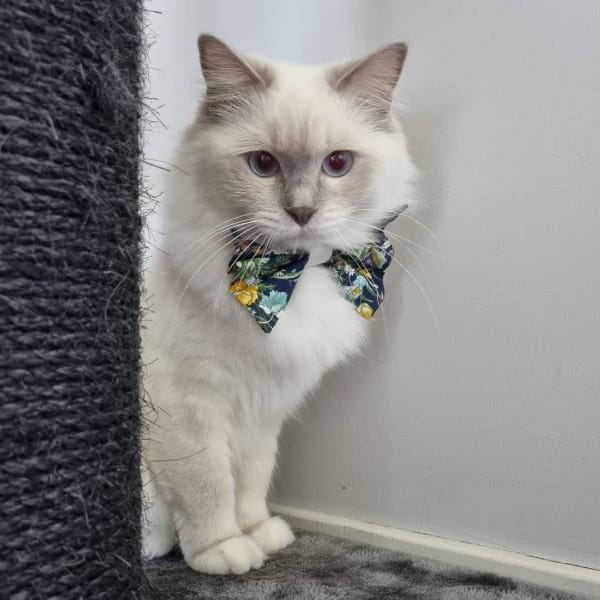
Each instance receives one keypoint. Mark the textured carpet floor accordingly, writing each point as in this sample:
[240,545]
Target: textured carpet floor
[318,567]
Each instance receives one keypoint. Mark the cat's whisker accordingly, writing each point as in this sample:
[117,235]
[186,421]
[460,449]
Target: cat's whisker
[435,237]
[363,266]
[195,273]
[224,235]
[257,241]
[414,279]
[371,208]
[198,244]
[241,215]
[232,221]
[421,290]
[413,254]
[215,232]
[410,251]
[385,323]
[227,227]
[227,222]
[395,235]
[404,215]
[267,246]
[218,286]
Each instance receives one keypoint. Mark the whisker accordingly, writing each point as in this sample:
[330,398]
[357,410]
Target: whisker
[381,306]
[415,281]
[422,291]
[242,216]
[362,264]
[185,289]
[258,248]
[413,254]
[436,239]
[223,236]
[231,222]
[404,215]
[394,235]
[386,328]
[225,228]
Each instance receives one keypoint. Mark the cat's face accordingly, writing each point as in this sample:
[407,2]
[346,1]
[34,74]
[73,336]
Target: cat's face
[303,156]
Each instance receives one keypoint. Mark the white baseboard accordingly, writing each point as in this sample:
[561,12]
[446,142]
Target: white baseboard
[561,576]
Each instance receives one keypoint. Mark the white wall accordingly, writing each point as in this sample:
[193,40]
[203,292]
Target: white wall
[486,428]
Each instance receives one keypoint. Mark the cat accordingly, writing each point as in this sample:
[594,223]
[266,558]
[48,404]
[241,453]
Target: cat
[307,158]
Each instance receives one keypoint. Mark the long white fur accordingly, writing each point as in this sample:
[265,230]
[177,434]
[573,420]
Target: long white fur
[219,387]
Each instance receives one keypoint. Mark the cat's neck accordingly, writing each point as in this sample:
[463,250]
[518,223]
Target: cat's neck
[319,255]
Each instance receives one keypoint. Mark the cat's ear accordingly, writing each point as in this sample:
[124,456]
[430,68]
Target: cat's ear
[227,74]
[372,80]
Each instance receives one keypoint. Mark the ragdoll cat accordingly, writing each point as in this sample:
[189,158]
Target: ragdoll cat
[282,160]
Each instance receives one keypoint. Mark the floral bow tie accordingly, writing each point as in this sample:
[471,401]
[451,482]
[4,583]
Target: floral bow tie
[264,280]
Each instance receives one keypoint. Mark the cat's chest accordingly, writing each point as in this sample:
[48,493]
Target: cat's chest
[319,327]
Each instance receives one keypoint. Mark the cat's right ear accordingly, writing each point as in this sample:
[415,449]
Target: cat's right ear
[227,75]
[372,80]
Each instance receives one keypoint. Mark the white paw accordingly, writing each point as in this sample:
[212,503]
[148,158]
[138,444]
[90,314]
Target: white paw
[234,555]
[272,535]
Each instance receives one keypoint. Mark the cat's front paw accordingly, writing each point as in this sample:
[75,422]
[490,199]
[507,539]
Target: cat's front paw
[272,535]
[235,555]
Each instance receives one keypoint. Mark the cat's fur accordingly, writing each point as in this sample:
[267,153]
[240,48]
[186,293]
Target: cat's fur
[221,387]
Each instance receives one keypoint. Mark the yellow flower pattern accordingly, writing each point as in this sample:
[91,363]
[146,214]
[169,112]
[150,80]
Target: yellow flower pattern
[245,294]
[365,311]
[264,280]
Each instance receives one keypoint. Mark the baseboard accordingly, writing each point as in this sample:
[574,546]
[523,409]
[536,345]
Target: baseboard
[564,577]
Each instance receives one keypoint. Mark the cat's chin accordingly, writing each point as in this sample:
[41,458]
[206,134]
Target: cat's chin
[303,240]
[313,241]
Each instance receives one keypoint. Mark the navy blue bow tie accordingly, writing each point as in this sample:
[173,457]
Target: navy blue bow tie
[264,280]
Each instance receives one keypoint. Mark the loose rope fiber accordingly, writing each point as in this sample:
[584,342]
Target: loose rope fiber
[70,231]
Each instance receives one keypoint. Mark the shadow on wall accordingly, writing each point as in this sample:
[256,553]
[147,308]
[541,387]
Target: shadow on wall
[427,140]
[424,131]
[336,407]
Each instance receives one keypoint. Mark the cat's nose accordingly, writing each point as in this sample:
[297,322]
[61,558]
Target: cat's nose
[301,214]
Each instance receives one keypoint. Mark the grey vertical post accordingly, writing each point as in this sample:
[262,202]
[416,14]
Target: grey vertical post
[69,299]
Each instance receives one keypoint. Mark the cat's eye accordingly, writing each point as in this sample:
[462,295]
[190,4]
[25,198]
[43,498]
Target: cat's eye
[337,163]
[263,163]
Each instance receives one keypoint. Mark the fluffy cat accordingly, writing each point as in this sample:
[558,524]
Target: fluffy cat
[268,153]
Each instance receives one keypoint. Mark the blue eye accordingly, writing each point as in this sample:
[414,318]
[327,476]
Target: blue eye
[263,163]
[337,163]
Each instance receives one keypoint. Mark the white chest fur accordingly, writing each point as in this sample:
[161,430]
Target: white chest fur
[222,344]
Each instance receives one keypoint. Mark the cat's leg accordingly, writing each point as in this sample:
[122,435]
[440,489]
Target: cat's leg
[254,459]
[196,477]
[158,531]
[209,536]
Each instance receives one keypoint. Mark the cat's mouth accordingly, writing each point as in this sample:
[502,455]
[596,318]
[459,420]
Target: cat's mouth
[300,237]
[311,236]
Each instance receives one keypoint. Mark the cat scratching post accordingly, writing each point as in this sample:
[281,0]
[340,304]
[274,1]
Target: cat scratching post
[69,295]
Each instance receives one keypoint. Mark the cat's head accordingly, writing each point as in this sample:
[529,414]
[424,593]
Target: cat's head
[301,155]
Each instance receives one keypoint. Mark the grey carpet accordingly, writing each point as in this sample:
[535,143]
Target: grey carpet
[318,567]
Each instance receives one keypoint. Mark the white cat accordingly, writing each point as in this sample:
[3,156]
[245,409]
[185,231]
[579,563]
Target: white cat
[301,157]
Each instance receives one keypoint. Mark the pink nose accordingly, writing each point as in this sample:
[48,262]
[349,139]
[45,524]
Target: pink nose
[301,214]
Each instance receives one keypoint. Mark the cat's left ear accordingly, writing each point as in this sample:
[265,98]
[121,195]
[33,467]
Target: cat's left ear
[228,76]
[372,80]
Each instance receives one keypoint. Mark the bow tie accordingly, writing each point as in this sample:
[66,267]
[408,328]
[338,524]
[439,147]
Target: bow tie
[264,280]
